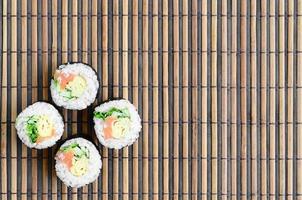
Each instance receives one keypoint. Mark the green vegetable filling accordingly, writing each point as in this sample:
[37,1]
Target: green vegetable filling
[74,89]
[119,113]
[78,151]
[66,93]
[32,129]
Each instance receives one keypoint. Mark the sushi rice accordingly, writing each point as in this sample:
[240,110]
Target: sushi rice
[78,162]
[117,123]
[39,126]
[74,86]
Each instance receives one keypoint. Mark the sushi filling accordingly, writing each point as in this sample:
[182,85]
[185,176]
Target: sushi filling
[70,86]
[39,128]
[75,158]
[116,122]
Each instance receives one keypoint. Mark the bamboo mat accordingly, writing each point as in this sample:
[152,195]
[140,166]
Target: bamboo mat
[217,84]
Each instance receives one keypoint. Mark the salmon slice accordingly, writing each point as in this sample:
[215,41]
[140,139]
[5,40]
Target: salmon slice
[108,127]
[66,158]
[63,78]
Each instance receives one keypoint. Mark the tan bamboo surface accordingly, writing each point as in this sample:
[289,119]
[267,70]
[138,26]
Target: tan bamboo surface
[216,83]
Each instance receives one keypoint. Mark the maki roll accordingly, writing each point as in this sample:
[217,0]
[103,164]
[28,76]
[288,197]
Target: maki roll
[78,162]
[117,123]
[74,86]
[40,125]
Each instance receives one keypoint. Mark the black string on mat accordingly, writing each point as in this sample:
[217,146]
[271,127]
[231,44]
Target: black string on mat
[286,96]
[199,97]
[130,93]
[29,97]
[19,102]
[99,73]
[171,98]
[295,72]
[140,97]
[110,83]
[136,15]
[150,95]
[238,103]
[8,99]
[40,96]
[209,100]
[120,92]
[180,127]
[267,99]
[277,142]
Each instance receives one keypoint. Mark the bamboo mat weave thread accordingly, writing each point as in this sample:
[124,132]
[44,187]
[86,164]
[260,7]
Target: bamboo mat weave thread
[217,84]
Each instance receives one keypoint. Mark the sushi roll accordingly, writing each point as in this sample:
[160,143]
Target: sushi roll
[117,123]
[78,162]
[40,125]
[74,86]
